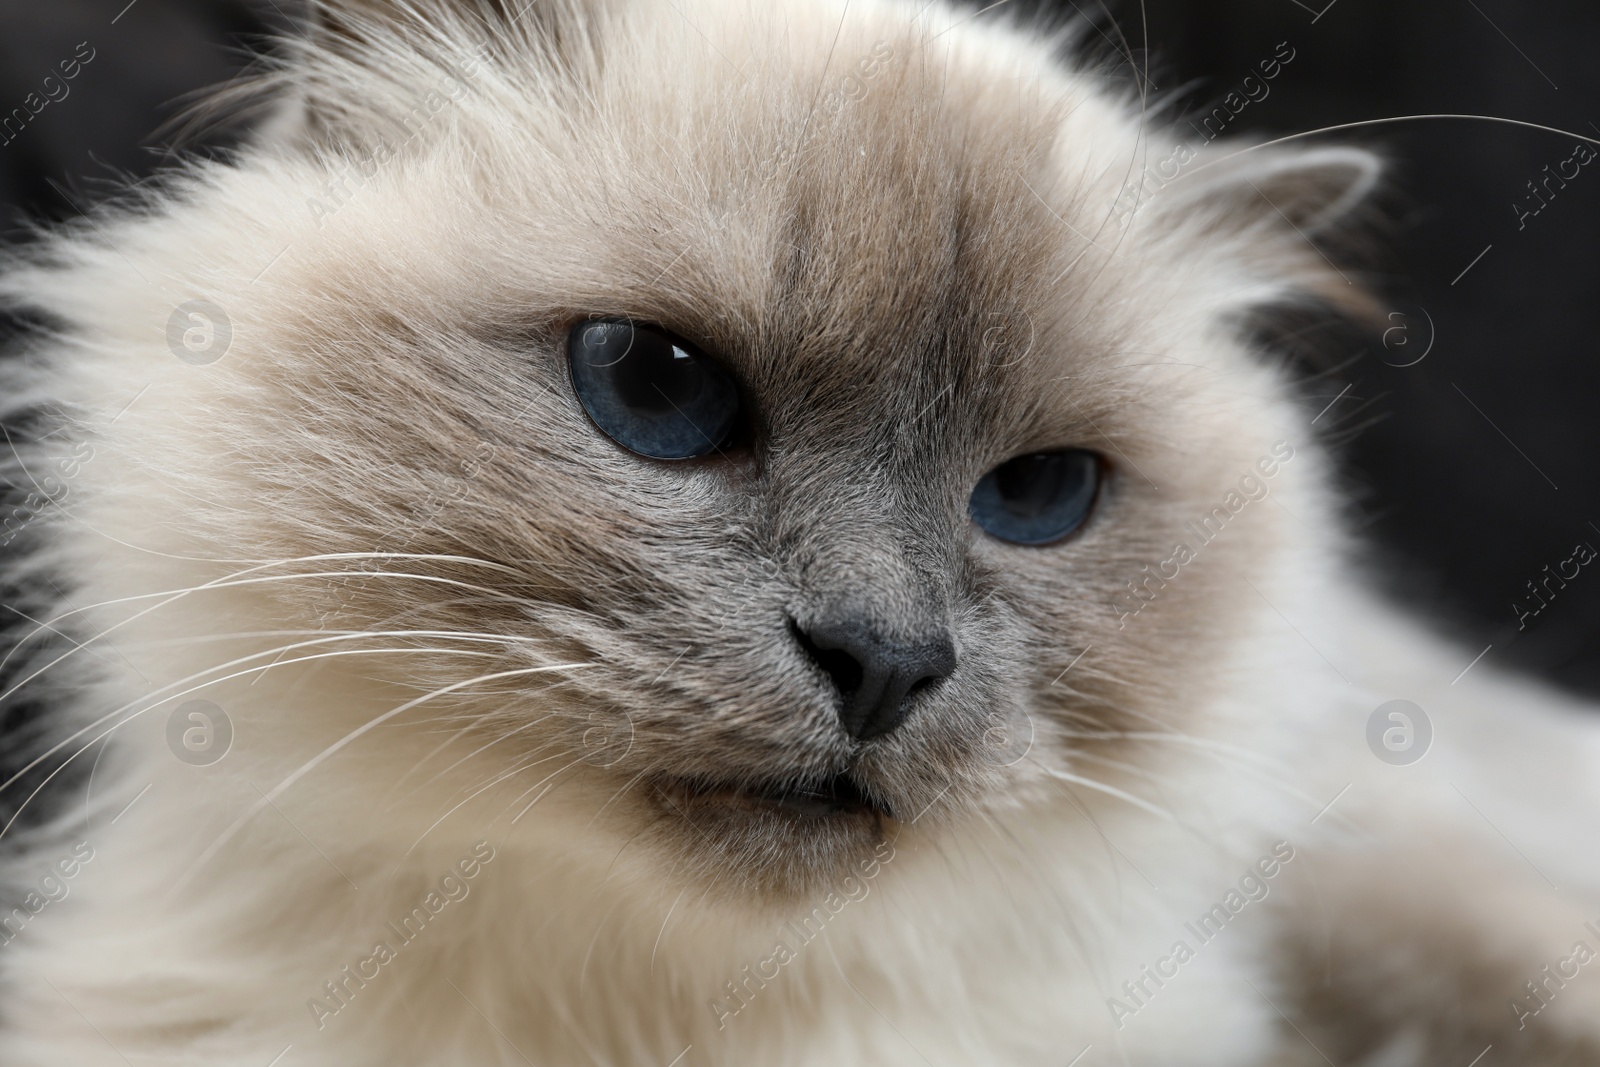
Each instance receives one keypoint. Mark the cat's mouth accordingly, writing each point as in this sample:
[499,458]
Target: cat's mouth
[840,797]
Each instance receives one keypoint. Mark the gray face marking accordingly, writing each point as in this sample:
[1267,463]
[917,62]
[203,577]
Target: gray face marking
[931,284]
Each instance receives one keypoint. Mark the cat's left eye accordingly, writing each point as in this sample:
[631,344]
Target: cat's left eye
[1039,498]
[651,393]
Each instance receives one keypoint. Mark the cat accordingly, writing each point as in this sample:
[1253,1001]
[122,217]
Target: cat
[709,533]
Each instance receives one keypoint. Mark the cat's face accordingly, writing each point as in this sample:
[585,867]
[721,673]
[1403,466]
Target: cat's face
[900,247]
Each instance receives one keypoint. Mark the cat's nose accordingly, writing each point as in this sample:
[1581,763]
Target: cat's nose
[874,676]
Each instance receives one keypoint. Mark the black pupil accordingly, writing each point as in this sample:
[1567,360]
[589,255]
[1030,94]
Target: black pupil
[1032,485]
[651,375]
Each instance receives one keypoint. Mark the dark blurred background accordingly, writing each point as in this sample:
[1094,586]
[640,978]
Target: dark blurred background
[1475,467]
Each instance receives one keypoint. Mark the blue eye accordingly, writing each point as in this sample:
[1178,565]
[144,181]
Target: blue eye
[649,393]
[1037,499]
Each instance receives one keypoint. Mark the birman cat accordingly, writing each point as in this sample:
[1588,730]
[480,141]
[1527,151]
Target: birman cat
[693,533]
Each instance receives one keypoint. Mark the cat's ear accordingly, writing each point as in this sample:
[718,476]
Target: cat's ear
[1275,212]
[1310,189]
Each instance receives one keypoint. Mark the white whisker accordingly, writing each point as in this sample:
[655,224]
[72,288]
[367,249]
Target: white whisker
[348,635]
[112,729]
[354,735]
[1111,790]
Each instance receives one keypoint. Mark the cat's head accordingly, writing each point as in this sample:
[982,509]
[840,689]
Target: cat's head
[774,424]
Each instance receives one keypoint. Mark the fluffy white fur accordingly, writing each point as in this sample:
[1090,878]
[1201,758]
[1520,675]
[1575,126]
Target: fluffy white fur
[204,551]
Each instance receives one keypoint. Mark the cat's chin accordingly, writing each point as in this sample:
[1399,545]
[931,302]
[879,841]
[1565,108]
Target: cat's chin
[783,840]
[841,797]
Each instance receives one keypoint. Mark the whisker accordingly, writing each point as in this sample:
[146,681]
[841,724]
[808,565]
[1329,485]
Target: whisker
[452,739]
[282,787]
[1389,121]
[229,585]
[112,729]
[542,795]
[1110,790]
[629,784]
[490,784]
[221,667]
[267,565]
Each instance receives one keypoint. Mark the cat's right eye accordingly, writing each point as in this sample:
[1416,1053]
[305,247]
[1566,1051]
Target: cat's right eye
[1038,499]
[651,393]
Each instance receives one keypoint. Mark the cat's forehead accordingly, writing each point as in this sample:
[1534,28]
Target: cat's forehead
[792,188]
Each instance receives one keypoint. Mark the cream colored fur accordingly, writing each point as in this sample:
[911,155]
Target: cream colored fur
[392,342]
